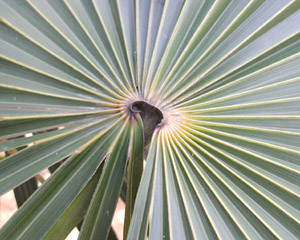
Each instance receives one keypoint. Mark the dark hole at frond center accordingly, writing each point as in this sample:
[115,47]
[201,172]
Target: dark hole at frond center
[151,117]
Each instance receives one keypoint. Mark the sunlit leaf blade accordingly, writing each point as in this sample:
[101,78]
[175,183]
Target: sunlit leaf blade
[198,220]
[127,20]
[213,207]
[13,44]
[110,19]
[24,164]
[139,220]
[36,125]
[142,21]
[191,16]
[44,208]
[53,133]
[170,13]
[97,222]
[218,82]
[155,15]
[159,224]
[179,223]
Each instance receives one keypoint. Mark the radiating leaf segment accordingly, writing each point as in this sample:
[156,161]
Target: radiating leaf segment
[194,103]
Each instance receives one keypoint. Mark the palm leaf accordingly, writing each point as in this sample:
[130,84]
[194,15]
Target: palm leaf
[207,93]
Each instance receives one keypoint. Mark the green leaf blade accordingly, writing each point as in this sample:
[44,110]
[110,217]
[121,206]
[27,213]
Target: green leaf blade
[98,220]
